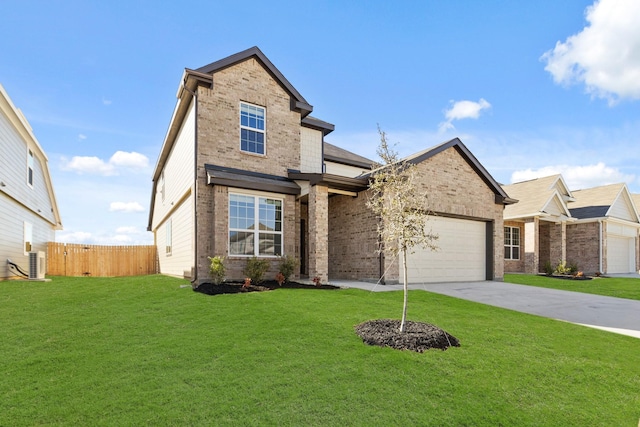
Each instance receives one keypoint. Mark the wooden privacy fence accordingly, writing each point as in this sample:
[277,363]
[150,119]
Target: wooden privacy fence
[68,259]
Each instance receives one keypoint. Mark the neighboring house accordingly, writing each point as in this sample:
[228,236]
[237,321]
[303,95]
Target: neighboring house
[596,229]
[535,228]
[244,171]
[28,211]
[605,236]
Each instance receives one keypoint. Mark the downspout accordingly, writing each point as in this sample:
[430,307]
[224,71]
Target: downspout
[194,279]
[600,245]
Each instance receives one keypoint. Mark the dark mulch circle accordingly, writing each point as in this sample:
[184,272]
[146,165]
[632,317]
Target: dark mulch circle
[267,285]
[417,336]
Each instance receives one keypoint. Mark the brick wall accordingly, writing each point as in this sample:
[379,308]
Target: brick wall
[450,186]
[583,246]
[218,133]
[353,239]
[515,266]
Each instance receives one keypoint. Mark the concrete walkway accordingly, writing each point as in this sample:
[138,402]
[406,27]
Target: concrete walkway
[611,314]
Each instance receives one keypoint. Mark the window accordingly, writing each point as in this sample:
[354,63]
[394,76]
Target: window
[169,238]
[28,237]
[162,186]
[30,168]
[511,243]
[245,238]
[252,120]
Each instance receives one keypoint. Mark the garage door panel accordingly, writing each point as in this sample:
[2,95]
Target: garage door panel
[620,254]
[461,254]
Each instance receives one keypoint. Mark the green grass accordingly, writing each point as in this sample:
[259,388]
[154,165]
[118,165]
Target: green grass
[144,351]
[620,287]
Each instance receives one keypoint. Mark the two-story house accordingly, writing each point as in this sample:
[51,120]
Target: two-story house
[245,171]
[28,210]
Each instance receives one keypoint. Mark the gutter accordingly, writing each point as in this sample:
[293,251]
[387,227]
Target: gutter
[194,94]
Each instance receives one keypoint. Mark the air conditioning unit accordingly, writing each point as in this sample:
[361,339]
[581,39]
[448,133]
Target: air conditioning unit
[37,266]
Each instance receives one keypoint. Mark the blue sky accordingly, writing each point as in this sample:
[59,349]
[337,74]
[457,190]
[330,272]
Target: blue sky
[532,88]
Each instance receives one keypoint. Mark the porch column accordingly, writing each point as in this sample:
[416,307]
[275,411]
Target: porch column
[319,232]
[531,246]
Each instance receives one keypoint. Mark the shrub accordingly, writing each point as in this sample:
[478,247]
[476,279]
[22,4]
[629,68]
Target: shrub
[255,269]
[217,269]
[548,268]
[288,265]
[562,268]
[573,268]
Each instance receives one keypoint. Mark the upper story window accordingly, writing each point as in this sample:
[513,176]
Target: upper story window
[30,168]
[252,128]
[512,243]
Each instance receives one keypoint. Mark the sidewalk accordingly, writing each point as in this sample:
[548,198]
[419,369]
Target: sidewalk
[616,315]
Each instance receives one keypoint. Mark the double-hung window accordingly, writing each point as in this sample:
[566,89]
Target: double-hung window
[255,225]
[252,128]
[512,243]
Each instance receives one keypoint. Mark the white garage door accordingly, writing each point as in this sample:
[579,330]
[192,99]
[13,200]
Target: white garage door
[621,255]
[461,255]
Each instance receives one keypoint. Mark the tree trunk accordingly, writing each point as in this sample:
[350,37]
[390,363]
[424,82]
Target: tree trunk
[405,289]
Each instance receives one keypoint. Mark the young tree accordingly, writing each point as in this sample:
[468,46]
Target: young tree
[402,210]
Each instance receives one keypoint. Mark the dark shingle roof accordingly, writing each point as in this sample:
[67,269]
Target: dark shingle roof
[336,154]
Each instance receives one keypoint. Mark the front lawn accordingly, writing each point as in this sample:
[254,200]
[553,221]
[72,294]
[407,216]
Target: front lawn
[144,351]
[620,287]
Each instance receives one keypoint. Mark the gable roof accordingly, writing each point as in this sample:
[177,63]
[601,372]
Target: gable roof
[336,154]
[544,196]
[298,100]
[22,126]
[604,201]
[456,143]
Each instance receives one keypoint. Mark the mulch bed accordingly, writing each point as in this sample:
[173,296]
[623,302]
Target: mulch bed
[417,336]
[267,285]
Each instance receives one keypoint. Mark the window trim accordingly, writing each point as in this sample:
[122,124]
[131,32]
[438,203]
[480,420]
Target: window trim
[256,231]
[252,129]
[30,167]
[511,245]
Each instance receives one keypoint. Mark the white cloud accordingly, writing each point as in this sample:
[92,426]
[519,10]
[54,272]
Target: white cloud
[82,137]
[126,207]
[89,165]
[106,101]
[605,55]
[131,161]
[463,110]
[577,177]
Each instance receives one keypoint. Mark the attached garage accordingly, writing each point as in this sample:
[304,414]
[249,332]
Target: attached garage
[461,254]
[621,254]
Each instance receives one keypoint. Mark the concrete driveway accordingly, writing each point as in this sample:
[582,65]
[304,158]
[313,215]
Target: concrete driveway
[612,314]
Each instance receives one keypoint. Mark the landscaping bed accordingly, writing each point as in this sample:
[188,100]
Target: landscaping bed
[417,336]
[267,285]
